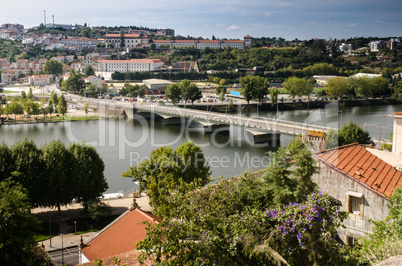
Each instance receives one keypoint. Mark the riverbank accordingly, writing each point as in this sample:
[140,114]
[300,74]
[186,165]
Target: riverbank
[71,116]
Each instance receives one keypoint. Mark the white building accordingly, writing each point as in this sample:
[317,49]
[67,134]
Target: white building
[40,80]
[376,46]
[130,40]
[345,47]
[94,80]
[132,65]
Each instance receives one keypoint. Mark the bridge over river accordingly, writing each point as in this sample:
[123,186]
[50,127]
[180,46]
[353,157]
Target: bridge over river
[256,124]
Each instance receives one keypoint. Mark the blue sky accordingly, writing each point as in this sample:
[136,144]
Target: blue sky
[290,19]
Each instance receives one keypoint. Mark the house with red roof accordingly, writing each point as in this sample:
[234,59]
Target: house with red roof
[118,237]
[363,180]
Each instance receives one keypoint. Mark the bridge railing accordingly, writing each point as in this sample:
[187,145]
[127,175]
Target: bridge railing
[261,122]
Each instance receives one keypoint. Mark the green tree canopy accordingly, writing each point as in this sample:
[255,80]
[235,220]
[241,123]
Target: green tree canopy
[29,170]
[173,92]
[298,86]
[62,105]
[61,182]
[352,133]
[189,91]
[75,82]
[88,169]
[17,226]
[165,170]
[337,87]
[53,67]
[89,71]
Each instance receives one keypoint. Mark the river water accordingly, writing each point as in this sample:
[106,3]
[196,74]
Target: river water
[123,143]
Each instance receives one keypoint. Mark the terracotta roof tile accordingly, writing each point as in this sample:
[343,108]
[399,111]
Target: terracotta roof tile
[315,133]
[363,166]
[120,236]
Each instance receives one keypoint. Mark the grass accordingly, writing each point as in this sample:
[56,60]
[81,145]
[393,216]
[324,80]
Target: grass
[43,234]
[7,91]
[84,118]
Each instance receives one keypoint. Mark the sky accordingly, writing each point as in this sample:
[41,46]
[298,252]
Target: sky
[232,19]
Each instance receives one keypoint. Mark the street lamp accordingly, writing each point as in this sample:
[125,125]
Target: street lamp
[75,226]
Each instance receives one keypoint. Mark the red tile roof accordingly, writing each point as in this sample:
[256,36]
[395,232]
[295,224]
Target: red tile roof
[315,133]
[356,162]
[120,236]
[397,114]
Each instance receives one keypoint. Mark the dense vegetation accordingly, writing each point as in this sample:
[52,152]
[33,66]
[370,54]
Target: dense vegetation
[54,175]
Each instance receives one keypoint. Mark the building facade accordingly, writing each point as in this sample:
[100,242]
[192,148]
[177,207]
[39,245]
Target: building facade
[362,181]
[132,65]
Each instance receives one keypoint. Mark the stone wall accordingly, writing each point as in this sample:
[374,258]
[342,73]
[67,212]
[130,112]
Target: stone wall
[374,205]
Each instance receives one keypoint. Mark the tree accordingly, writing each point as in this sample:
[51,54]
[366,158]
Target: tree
[89,173]
[62,105]
[1,109]
[75,82]
[23,95]
[274,97]
[332,139]
[247,89]
[215,226]
[298,86]
[15,108]
[53,67]
[29,169]
[261,88]
[89,71]
[30,95]
[86,108]
[352,133]
[17,225]
[61,182]
[28,104]
[6,162]
[35,108]
[121,44]
[165,170]
[337,87]
[189,91]
[53,97]
[254,87]
[173,92]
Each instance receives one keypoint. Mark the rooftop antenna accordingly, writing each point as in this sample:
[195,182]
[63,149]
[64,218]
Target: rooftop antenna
[53,20]
[44,15]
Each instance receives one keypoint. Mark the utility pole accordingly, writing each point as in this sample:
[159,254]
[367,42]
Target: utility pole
[44,15]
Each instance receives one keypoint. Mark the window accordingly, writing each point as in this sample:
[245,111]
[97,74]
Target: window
[355,203]
[351,241]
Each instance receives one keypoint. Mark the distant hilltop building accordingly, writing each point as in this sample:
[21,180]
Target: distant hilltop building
[392,44]
[166,32]
[201,44]
[132,40]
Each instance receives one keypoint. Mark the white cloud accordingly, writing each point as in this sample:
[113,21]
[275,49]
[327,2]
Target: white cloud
[267,14]
[285,4]
[353,26]
[233,27]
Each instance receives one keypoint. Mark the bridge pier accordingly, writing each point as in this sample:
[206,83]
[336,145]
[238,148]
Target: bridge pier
[264,137]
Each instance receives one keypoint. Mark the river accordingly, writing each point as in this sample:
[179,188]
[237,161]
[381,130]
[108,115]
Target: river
[123,143]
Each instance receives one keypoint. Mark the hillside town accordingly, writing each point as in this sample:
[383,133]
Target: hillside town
[122,146]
